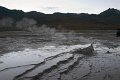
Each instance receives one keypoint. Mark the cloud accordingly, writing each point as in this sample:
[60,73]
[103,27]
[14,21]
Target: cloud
[50,9]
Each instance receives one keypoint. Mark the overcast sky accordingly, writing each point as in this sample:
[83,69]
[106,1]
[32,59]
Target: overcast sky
[51,6]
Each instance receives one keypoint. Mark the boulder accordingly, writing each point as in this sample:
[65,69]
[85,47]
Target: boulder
[118,33]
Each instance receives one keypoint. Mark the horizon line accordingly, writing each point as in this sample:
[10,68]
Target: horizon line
[57,12]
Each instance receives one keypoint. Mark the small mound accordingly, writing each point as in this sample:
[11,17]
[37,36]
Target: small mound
[86,51]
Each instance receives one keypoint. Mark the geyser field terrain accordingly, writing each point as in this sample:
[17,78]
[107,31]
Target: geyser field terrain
[59,46]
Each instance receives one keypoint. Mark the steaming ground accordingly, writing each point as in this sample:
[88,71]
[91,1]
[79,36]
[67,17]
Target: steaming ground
[28,56]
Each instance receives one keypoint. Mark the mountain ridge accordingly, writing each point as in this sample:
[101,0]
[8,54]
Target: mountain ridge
[108,19]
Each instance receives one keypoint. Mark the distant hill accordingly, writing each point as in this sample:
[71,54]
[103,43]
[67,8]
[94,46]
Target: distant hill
[108,19]
[111,12]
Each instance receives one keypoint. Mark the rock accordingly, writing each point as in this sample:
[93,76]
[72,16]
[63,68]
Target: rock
[86,51]
[118,33]
[108,52]
[1,61]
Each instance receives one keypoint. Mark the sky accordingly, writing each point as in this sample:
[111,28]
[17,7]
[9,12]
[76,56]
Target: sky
[64,6]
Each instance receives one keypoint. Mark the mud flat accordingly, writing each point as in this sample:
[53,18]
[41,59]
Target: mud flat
[32,63]
[65,62]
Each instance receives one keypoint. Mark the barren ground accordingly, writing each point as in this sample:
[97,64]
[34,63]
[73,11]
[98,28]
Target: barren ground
[24,56]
